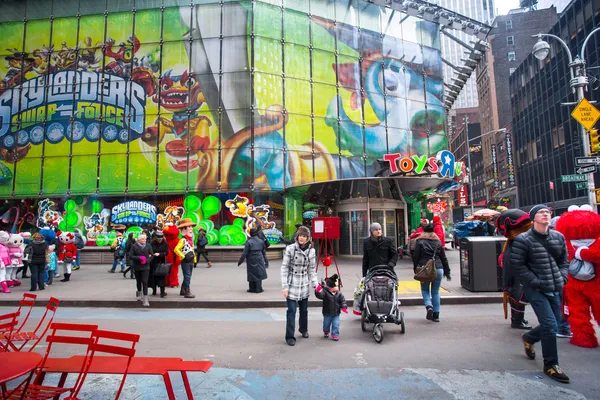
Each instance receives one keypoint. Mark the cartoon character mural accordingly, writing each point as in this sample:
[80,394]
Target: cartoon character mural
[48,217]
[171,98]
[95,225]
[171,216]
[254,215]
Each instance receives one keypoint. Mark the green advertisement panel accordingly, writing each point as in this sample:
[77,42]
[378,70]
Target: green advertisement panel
[233,96]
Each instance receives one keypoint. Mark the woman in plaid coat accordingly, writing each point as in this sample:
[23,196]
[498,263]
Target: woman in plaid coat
[298,274]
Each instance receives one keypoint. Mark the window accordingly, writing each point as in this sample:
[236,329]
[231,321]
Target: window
[512,56]
[561,135]
[511,70]
[508,24]
[510,40]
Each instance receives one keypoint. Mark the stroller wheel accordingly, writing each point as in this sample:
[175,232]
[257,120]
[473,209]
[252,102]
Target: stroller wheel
[378,333]
[402,325]
[363,320]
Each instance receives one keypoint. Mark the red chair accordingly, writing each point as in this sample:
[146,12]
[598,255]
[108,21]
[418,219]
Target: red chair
[125,350]
[81,334]
[8,327]
[25,337]
[28,300]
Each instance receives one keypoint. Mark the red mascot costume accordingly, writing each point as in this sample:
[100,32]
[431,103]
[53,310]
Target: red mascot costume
[172,237]
[581,228]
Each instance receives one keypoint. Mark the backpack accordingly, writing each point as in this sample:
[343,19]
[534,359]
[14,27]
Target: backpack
[120,250]
[79,242]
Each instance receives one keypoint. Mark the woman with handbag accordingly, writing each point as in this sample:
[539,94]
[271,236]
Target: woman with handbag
[141,256]
[160,249]
[430,264]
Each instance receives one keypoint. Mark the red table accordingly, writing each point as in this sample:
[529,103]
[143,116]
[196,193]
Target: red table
[16,364]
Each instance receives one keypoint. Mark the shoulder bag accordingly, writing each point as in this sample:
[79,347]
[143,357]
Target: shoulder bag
[162,269]
[428,272]
[581,270]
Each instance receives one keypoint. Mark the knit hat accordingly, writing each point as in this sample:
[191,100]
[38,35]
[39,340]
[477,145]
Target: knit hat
[159,234]
[332,281]
[375,226]
[535,209]
[303,231]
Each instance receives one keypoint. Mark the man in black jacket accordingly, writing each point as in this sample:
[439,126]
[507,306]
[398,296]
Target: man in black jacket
[378,250]
[539,257]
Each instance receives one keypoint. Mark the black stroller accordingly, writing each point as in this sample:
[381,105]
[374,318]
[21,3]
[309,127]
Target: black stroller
[379,302]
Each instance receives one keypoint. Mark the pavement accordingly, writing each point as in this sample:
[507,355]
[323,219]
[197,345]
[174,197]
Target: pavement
[471,354]
[224,286]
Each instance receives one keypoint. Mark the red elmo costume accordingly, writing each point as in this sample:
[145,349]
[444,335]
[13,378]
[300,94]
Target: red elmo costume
[172,237]
[438,229]
[581,229]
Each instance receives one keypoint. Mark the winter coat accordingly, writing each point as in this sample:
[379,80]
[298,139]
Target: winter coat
[162,248]
[332,302]
[201,244]
[79,243]
[428,244]
[541,260]
[512,283]
[134,256]
[4,256]
[378,252]
[38,255]
[256,259]
[298,271]
[52,263]
[261,235]
[416,233]
[128,245]
[438,229]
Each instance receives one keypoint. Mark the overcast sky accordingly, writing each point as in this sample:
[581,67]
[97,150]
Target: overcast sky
[504,6]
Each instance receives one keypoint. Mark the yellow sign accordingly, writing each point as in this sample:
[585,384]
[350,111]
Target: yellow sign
[586,114]
[598,196]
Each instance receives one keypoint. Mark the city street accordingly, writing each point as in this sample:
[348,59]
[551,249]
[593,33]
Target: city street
[471,354]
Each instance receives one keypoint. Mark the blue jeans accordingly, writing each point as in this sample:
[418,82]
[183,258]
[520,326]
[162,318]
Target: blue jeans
[187,269]
[290,327]
[116,262]
[77,261]
[333,322]
[548,312]
[431,291]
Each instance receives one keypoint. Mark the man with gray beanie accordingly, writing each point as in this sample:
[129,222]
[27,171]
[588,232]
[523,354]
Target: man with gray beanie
[378,250]
[539,257]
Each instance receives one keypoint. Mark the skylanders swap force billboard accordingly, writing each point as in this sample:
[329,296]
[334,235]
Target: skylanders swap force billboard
[214,97]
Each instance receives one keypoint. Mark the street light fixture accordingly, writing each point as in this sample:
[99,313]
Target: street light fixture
[541,49]
[579,81]
[469,172]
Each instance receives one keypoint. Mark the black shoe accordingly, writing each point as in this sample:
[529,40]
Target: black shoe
[429,315]
[556,373]
[519,325]
[163,294]
[529,348]
[436,317]
[305,335]
[291,342]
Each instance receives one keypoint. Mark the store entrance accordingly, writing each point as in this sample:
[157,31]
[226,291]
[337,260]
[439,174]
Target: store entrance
[354,228]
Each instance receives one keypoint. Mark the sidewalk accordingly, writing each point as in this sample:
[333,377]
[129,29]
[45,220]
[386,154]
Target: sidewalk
[224,286]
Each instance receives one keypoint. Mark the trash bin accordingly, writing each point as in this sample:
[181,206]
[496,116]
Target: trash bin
[479,269]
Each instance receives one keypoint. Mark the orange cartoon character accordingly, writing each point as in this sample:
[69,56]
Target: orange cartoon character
[181,95]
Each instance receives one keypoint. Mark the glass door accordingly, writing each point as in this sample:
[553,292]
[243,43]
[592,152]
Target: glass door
[345,244]
[387,219]
[360,231]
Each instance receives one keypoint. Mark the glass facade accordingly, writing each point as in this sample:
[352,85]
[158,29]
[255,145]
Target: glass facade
[147,97]
[546,138]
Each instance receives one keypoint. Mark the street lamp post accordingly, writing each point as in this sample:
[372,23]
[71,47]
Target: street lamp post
[579,81]
[469,156]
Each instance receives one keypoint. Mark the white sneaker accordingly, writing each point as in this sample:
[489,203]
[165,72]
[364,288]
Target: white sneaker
[566,335]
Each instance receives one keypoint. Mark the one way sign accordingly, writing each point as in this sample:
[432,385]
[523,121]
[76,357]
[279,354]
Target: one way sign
[586,170]
[581,161]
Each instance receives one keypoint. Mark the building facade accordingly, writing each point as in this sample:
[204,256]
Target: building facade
[546,138]
[480,10]
[243,105]
[510,44]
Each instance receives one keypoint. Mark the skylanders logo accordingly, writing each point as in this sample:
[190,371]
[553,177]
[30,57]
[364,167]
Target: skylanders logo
[118,103]
[133,212]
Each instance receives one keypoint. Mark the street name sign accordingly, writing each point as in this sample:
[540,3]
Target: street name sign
[581,186]
[586,114]
[573,178]
[586,170]
[584,161]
